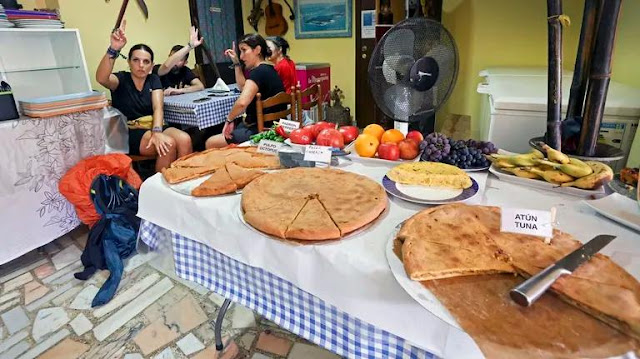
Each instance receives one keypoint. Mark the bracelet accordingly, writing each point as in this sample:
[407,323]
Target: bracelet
[189,45]
[229,121]
[112,53]
[156,129]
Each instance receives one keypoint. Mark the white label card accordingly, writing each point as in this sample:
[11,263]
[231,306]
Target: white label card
[317,153]
[289,125]
[401,126]
[269,147]
[527,221]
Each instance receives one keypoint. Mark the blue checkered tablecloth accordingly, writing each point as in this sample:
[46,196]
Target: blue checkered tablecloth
[279,301]
[213,111]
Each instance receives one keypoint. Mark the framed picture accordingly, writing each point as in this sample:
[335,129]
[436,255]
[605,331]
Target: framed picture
[322,18]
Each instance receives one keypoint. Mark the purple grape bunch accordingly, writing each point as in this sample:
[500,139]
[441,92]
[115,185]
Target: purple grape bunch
[434,147]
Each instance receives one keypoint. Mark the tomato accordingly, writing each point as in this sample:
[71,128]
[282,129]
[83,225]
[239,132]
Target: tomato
[322,125]
[312,131]
[349,133]
[389,151]
[330,137]
[301,136]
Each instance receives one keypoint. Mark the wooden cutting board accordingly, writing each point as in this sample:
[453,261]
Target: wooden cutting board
[550,328]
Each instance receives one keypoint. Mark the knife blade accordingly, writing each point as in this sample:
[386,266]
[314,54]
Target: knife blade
[143,7]
[530,290]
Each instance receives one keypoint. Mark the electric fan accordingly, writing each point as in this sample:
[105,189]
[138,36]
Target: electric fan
[413,70]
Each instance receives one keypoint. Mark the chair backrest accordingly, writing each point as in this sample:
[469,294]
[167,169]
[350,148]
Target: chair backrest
[314,93]
[281,98]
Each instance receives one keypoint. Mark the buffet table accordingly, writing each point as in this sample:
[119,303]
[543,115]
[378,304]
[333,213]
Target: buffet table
[340,295]
[199,109]
[35,154]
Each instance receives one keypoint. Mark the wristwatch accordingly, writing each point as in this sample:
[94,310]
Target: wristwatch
[156,129]
[190,46]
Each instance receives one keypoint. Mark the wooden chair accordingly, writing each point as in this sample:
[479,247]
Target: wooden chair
[314,92]
[281,98]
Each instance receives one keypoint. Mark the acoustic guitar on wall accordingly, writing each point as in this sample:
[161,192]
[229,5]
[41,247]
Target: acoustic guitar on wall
[276,23]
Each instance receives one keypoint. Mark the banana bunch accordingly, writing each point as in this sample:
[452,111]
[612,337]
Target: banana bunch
[557,168]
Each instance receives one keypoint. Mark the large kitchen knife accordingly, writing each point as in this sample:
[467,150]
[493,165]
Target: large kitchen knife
[531,289]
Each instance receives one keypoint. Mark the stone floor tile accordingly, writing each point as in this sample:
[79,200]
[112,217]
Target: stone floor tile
[84,298]
[190,344]
[44,270]
[72,268]
[49,297]
[217,299]
[165,354]
[33,291]
[9,304]
[46,344]
[273,344]
[261,356]
[155,336]
[66,257]
[16,350]
[67,349]
[65,241]
[136,261]
[15,320]
[48,321]
[133,356]
[246,341]
[186,315]
[17,282]
[306,351]
[1,332]
[66,278]
[21,265]
[118,343]
[129,311]
[126,296]
[62,298]
[230,351]
[242,317]
[99,278]
[81,324]
[13,340]
[9,296]
[205,331]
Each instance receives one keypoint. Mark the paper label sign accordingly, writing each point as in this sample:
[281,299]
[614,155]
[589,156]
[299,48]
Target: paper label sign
[289,125]
[527,221]
[269,147]
[317,153]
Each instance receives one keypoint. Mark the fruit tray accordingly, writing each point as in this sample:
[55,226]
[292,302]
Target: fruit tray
[508,177]
[350,148]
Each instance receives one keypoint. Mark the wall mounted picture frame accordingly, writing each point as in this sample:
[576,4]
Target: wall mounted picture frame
[322,18]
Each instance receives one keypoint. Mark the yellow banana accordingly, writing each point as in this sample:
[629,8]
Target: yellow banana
[601,174]
[522,172]
[555,155]
[552,176]
[521,160]
[575,167]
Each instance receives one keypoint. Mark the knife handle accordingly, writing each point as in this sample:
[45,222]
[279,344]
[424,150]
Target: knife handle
[531,289]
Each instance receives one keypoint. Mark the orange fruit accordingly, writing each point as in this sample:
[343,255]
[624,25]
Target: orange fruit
[393,136]
[366,145]
[374,130]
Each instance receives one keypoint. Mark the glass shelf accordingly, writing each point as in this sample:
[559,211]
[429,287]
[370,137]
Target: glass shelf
[44,68]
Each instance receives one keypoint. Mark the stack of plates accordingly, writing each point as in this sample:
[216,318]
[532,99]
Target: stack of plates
[60,105]
[4,22]
[34,19]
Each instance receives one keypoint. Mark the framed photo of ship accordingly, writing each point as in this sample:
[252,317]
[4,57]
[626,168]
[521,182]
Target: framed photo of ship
[322,18]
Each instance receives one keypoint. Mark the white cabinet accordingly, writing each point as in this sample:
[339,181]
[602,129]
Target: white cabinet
[43,62]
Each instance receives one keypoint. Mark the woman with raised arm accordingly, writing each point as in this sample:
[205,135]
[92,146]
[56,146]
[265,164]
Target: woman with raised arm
[138,94]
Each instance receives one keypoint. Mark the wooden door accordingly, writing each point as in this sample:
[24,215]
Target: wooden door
[365,105]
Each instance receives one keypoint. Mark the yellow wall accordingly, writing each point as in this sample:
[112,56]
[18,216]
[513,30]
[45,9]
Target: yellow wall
[168,25]
[339,52]
[514,33]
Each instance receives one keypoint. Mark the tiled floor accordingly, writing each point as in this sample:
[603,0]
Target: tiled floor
[46,313]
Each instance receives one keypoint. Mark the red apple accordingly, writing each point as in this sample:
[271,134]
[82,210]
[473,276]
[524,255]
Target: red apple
[416,136]
[389,151]
[330,137]
[409,149]
[349,133]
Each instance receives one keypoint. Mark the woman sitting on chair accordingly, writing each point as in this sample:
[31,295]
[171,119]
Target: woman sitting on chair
[263,78]
[139,94]
[285,67]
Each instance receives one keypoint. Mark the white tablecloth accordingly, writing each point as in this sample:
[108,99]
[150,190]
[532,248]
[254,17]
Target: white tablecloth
[35,154]
[353,274]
